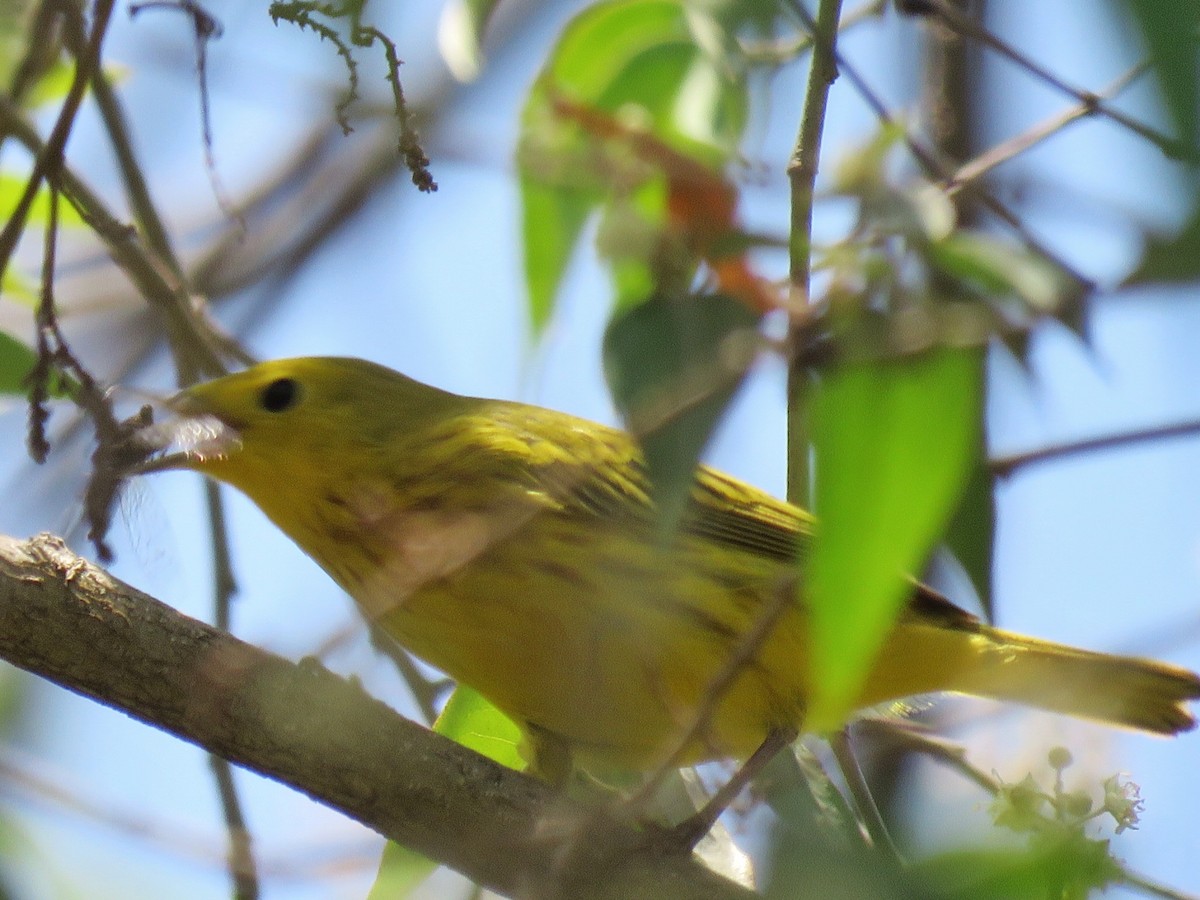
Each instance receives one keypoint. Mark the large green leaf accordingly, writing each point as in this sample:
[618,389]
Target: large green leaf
[672,364]
[895,442]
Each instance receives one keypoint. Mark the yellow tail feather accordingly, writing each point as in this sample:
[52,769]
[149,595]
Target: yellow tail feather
[1119,690]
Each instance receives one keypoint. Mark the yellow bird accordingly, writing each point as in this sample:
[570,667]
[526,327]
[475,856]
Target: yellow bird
[515,548]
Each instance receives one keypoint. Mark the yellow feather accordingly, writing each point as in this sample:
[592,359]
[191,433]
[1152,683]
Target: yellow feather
[516,549]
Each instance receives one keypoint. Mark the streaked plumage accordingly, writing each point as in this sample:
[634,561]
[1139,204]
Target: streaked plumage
[516,548]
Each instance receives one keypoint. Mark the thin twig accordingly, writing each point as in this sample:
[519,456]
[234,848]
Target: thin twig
[116,444]
[50,156]
[802,173]
[860,792]
[117,129]
[975,169]
[425,692]
[911,740]
[1173,148]
[224,583]
[240,857]
[1004,466]
[1153,888]
[778,51]
[185,324]
[928,161]
[750,643]
[205,28]
[242,866]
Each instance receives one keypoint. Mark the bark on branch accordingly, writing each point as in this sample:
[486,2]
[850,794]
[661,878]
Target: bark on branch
[66,620]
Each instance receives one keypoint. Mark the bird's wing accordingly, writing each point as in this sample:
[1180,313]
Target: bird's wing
[581,468]
[590,470]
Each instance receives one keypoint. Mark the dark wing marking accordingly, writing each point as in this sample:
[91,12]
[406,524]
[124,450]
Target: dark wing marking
[599,472]
[928,605]
[742,517]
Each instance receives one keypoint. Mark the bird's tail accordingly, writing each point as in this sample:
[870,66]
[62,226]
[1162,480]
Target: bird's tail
[1120,690]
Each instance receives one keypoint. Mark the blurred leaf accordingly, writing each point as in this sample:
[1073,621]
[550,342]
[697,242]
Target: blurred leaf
[53,85]
[673,364]
[863,169]
[14,287]
[806,859]
[996,268]
[1170,258]
[972,531]
[56,81]
[800,792]
[1066,865]
[401,871]
[1170,28]
[473,722]
[12,187]
[627,94]
[895,442]
[17,360]
[460,35]
[552,221]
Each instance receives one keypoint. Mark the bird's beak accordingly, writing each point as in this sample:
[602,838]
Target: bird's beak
[190,436]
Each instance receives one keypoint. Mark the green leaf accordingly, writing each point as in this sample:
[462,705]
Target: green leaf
[637,67]
[1170,258]
[460,35]
[895,441]
[1170,28]
[475,723]
[401,871]
[12,187]
[16,288]
[808,858]
[1069,865]
[552,220]
[972,532]
[673,364]
[17,360]
[996,268]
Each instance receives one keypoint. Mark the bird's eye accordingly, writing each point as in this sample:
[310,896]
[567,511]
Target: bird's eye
[281,394]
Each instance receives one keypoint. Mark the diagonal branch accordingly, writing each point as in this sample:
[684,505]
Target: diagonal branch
[72,623]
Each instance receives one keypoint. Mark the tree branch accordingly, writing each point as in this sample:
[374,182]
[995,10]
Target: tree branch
[74,624]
